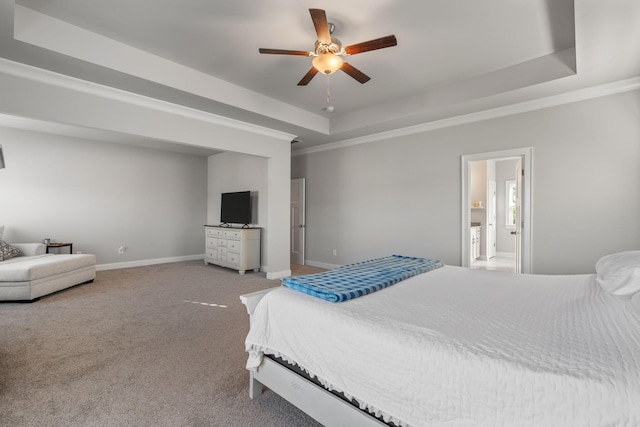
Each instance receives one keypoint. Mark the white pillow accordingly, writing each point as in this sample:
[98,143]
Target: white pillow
[619,273]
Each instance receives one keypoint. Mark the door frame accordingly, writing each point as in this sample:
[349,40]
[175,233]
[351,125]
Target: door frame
[302,226]
[518,219]
[526,154]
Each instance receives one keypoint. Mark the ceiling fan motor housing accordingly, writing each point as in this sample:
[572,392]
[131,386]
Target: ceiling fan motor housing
[335,47]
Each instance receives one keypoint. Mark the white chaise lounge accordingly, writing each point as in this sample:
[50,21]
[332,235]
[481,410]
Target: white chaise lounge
[34,273]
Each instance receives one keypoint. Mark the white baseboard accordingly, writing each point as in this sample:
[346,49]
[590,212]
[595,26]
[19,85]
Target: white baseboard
[321,264]
[273,275]
[144,262]
[506,254]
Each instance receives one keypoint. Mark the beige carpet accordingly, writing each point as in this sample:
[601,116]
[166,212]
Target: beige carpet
[297,269]
[150,346]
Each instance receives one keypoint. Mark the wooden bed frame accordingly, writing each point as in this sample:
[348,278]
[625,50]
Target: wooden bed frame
[319,403]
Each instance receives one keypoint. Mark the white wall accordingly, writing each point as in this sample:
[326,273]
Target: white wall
[402,195]
[101,195]
[478,173]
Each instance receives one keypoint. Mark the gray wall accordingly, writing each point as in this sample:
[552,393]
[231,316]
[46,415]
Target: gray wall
[402,195]
[229,172]
[101,196]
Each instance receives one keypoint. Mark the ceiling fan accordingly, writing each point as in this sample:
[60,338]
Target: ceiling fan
[328,52]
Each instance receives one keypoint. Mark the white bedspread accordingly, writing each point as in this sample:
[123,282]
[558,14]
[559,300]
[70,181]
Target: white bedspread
[461,347]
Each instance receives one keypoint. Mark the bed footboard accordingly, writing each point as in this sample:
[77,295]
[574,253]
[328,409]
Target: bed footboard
[251,300]
[322,405]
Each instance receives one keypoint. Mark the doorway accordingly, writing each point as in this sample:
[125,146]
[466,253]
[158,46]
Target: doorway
[297,221]
[484,211]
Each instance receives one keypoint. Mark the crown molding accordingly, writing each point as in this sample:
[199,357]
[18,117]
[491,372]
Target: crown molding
[518,108]
[40,75]
[60,80]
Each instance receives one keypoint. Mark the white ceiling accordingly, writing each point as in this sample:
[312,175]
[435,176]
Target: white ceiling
[453,57]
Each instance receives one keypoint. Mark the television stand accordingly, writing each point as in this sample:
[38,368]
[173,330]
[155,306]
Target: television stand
[232,247]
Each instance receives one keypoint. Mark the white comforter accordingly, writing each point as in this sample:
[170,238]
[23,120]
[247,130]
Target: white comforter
[461,347]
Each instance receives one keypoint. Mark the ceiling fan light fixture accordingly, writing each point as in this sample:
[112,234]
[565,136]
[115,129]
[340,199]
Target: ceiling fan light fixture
[327,63]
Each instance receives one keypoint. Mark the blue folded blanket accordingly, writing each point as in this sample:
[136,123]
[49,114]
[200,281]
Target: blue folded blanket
[355,280]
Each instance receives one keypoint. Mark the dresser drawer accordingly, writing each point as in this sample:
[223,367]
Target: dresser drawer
[212,254]
[214,232]
[234,234]
[221,243]
[212,242]
[233,258]
[234,246]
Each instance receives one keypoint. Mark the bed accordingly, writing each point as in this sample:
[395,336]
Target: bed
[458,347]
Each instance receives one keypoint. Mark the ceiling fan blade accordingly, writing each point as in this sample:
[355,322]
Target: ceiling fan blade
[355,73]
[380,43]
[319,18]
[284,52]
[307,77]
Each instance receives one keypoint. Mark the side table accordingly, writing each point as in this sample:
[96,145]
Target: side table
[59,245]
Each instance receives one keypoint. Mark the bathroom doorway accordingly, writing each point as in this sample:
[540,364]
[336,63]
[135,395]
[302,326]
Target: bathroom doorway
[491,236]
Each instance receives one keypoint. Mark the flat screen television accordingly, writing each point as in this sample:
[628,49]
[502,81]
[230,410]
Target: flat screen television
[235,208]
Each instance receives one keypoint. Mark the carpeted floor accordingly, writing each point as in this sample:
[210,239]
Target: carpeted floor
[297,270]
[161,345]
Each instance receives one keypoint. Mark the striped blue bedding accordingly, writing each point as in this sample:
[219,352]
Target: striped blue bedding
[355,280]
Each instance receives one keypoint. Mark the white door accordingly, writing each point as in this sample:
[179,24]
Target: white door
[518,230]
[297,221]
[491,219]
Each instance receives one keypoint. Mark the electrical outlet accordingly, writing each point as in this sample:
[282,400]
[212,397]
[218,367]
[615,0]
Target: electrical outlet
[335,252]
[121,250]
